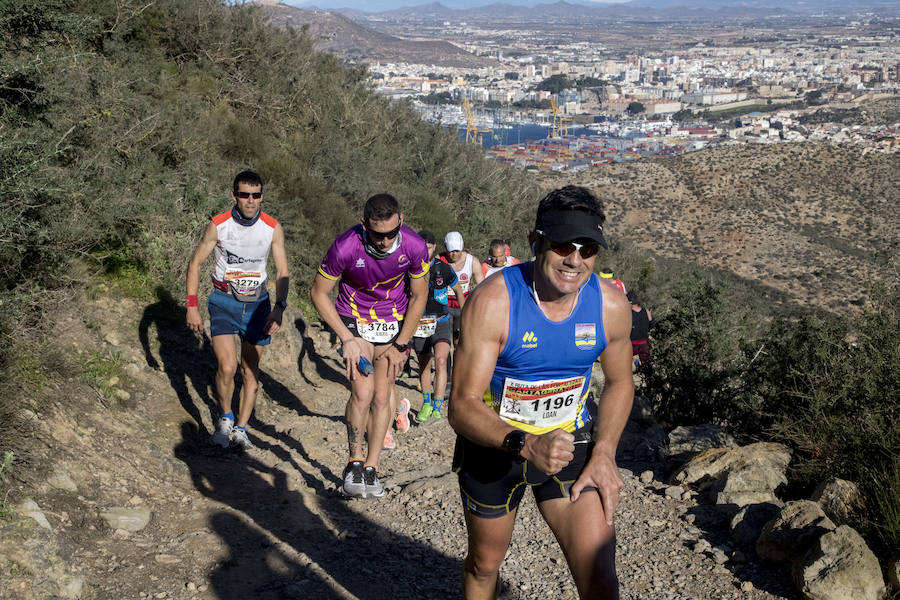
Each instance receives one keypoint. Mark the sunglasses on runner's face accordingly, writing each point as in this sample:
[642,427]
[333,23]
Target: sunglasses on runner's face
[567,248]
[378,236]
[245,195]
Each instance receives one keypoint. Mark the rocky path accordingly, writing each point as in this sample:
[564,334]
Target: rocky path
[139,504]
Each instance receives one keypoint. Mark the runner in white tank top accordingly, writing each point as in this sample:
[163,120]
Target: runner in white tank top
[239,306]
[466,270]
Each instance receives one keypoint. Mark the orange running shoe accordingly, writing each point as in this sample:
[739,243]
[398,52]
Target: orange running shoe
[389,443]
[401,421]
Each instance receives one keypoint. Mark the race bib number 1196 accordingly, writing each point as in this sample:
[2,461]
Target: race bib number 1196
[545,403]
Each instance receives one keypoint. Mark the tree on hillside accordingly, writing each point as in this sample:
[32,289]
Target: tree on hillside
[439,98]
[588,82]
[555,83]
[814,98]
[635,108]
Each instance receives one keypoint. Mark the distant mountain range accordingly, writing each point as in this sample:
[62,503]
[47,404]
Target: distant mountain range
[503,10]
[336,33]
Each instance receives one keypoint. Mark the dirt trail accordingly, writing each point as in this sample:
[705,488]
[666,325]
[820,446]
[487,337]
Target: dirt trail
[270,523]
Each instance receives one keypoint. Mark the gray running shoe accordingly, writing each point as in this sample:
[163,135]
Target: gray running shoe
[222,436]
[374,489]
[240,440]
[353,479]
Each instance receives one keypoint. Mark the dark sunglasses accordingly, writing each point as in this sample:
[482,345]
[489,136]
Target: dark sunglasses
[245,195]
[378,236]
[567,248]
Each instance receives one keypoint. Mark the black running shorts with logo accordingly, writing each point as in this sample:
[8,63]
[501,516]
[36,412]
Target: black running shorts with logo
[492,485]
[441,333]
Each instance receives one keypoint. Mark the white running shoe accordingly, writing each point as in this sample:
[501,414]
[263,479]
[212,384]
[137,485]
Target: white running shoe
[222,436]
[353,479]
[374,489]
[240,440]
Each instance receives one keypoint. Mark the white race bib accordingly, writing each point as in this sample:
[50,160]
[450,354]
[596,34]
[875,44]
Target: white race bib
[377,332]
[427,327]
[244,285]
[544,403]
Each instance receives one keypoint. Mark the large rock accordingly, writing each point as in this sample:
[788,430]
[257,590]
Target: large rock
[687,441]
[288,344]
[839,566]
[127,519]
[35,557]
[788,536]
[30,508]
[748,523]
[61,480]
[737,477]
[839,498]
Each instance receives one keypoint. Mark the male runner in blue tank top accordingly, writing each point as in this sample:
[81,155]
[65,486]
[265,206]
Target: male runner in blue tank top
[519,401]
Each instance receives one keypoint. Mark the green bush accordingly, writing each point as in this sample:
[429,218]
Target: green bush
[826,386]
[694,375]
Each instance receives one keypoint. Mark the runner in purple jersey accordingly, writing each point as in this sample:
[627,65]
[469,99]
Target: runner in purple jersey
[373,319]
[370,288]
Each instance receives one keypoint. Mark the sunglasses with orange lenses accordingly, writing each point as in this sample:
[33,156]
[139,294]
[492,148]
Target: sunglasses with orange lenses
[566,248]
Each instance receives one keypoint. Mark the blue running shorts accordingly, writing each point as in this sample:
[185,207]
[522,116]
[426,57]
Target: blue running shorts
[228,316]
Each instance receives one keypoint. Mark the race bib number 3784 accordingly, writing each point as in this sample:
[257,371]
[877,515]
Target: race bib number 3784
[544,403]
[377,332]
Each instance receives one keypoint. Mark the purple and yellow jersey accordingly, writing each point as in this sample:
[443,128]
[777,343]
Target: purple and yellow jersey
[373,289]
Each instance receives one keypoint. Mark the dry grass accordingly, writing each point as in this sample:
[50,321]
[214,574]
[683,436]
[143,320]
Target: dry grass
[818,221]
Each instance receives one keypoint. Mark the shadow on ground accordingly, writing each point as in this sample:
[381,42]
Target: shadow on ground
[185,358]
[339,551]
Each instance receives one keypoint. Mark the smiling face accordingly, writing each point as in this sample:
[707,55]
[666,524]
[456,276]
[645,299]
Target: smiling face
[247,199]
[560,275]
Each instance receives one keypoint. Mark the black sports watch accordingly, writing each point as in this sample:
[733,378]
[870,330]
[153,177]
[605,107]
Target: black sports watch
[513,444]
[400,347]
[282,304]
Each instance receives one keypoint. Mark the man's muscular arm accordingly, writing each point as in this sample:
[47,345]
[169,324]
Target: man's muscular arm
[192,283]
[282,286]
[351,348]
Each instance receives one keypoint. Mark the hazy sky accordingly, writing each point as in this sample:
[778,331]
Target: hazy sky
[375,5]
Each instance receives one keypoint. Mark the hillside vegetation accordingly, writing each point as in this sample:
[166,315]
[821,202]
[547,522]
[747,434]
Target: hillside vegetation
[123,123]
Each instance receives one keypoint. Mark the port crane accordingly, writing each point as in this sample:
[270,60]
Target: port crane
[560,123]
[473,133]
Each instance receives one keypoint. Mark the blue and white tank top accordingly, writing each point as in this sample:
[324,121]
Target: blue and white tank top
[543,375]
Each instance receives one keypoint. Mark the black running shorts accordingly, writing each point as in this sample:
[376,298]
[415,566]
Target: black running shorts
[492,485]
[441,333]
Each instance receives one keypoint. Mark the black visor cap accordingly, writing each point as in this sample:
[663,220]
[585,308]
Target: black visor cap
[570,225]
